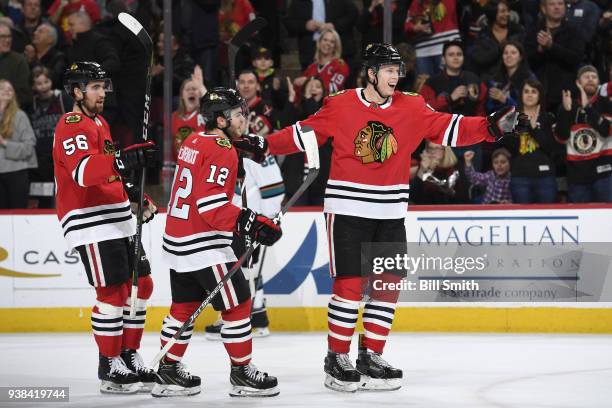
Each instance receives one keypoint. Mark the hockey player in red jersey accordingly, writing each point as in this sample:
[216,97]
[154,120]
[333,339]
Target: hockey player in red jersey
[375,130]
[93,206]
[200,226]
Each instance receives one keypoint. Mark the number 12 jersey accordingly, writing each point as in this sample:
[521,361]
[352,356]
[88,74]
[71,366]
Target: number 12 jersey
[201,217]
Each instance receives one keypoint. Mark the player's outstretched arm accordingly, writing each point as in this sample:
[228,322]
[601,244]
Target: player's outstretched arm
[458,130]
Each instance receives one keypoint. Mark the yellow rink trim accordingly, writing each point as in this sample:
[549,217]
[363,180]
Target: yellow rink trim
[409,319]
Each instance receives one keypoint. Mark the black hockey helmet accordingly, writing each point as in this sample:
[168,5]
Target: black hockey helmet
[79,74]
[219,102]
[376,55]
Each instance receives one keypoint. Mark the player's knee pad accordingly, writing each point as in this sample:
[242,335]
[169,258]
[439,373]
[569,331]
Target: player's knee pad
[145,287]
[240,312]
[114,295]
[182,311]
[348,287]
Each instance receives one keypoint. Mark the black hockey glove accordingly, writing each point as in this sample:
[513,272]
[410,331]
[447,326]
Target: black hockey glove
[135,157]
[255,146]
[260,228]
[506,122]
[149,208]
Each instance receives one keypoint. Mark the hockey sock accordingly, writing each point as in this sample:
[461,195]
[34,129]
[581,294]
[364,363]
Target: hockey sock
[236,333]
[179,313]
[133,328]
[107,319]
[342,313]
[378,314]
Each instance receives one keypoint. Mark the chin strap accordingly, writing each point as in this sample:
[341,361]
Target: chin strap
[375,83]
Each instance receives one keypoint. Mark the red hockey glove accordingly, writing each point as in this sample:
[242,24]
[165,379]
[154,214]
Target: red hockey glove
[255,147]
[149,207]
[506,122]
[260,228]
[136,156]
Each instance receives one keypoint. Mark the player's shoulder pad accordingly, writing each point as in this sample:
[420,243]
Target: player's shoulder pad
[73,118]
[331,95]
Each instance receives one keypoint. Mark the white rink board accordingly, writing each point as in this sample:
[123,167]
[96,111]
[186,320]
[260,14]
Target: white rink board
[296,268]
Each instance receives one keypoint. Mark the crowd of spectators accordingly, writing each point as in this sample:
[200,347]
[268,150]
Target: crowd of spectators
[548,58]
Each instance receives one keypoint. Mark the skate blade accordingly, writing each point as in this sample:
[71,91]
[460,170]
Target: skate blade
[146,387]
[261,332]
[213,336]
[172,390]
[109,387]
[242,391]
[340,386]
[370,384]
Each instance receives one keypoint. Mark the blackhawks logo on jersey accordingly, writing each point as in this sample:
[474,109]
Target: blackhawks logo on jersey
[109,148]
[375,143]
[224,142]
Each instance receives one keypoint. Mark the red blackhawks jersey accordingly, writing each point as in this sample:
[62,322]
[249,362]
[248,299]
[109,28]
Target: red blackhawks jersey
[333,74]
[92,205]
[372,148]
[201,217]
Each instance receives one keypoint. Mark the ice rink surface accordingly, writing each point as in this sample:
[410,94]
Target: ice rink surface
[440,371]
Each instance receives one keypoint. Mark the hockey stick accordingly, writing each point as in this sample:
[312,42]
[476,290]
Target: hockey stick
[238,41]
[143,37]
[312,175]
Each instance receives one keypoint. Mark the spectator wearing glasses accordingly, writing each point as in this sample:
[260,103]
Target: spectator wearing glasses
[13,66]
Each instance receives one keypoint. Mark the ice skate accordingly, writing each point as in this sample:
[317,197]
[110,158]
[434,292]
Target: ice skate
[248,381]
[376,373]
[173,380]
[341,375]
[116,377]
[134,362]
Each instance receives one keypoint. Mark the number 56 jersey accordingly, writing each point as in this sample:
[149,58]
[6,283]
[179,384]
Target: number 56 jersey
[201,217]
[92,205]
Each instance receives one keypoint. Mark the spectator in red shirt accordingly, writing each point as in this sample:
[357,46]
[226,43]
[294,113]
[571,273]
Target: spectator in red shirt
[327,64]
[233,15]
[61,9]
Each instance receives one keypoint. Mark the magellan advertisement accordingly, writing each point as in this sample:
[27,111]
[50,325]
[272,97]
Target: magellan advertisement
[551,255]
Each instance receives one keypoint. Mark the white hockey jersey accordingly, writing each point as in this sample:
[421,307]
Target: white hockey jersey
[264,187]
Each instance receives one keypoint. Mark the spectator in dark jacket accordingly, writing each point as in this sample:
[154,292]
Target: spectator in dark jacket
[370,22]
[198,23]
[13,66]
[554,48]
[48,105]
[486,52]
[505,85]
[533,171]
[90,45]
[307,18]
[32,18]
[456,91]
[583,124]
[584,14]
[43,51]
